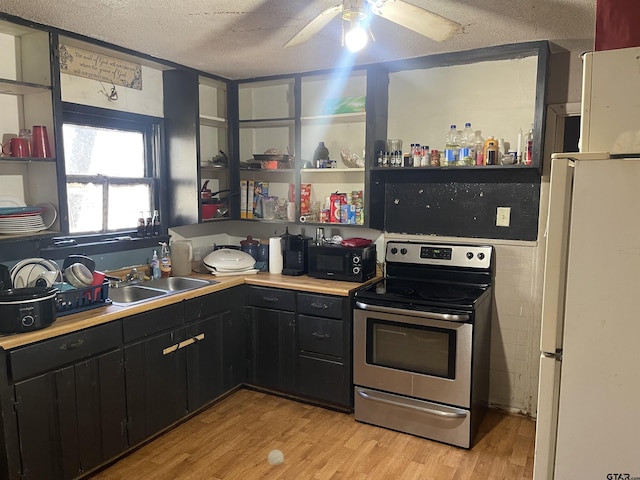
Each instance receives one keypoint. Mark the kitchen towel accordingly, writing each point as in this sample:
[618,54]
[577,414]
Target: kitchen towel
[275,255]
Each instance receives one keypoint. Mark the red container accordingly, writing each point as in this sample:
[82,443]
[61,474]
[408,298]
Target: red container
[41,147]
[209,210]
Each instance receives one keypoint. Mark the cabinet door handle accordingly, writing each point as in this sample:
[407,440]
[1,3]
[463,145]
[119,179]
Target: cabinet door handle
[320,306]
[171,349]
[71,346]
[191,341]
[270,299]
[321,336]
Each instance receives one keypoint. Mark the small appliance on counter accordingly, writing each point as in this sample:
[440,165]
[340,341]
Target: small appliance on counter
[27,309]
[227,261]
[343,262]
[294,253]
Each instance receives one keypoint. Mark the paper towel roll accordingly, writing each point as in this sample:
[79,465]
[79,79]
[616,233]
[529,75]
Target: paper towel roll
[275,255]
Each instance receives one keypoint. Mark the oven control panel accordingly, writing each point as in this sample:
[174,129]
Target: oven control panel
[418,253]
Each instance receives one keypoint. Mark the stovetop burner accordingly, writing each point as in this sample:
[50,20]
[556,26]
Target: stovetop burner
[423,276]
[445,292]
[422,293]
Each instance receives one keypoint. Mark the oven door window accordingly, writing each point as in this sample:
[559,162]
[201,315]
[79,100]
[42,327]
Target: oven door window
[413,348]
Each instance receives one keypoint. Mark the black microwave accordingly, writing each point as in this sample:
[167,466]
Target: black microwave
[335,262]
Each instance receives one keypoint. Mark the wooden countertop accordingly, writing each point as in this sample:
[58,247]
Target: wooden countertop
[89,318]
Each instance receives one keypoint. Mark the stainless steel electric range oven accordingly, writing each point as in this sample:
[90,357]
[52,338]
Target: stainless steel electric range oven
[422,340]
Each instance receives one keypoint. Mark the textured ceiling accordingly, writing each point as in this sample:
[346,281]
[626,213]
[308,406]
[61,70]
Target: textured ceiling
[244,38]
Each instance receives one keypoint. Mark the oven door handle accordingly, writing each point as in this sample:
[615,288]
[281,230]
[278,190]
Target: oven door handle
[450,317]
[431,411]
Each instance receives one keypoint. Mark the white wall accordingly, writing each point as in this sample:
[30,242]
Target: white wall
[148,101]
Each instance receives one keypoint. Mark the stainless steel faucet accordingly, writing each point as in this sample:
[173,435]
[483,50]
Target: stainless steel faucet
[132,275]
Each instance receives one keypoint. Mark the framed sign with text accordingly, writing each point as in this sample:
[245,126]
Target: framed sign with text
[97,66]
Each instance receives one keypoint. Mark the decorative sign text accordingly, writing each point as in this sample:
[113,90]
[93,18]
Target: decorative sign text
[103,68]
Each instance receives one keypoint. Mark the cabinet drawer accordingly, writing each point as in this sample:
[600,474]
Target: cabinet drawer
[325,380]
[206,305]
[51,354]
[322,305]
[152,322]
[272,298]
[320,335]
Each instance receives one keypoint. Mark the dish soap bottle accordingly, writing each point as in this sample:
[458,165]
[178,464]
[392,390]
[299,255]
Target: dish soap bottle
[165,261]
[155,265]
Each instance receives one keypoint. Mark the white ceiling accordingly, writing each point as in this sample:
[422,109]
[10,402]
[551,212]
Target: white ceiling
[244,38]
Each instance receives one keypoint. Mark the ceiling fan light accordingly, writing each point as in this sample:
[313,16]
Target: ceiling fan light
[356,38]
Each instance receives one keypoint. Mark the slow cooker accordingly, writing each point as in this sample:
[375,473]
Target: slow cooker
[26,309]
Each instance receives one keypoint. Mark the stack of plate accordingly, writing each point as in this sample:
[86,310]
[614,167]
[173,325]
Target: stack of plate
[27,272]
[21,220]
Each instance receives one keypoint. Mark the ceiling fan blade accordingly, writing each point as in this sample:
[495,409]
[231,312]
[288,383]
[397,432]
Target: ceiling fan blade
[314,26]
[417,19]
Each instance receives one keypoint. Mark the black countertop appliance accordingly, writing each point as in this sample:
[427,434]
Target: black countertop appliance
[295,256]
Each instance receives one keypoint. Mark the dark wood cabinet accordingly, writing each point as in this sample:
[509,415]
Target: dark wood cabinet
[216,360]
[71,403]
[204,361]
[73,418]
[324,333]
[273,348]
[180,370]
[156,384]
[301,345]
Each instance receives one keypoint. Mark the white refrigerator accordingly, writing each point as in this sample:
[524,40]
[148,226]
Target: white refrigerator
[588,417]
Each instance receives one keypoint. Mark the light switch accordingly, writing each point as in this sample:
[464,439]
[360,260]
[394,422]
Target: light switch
[503,216]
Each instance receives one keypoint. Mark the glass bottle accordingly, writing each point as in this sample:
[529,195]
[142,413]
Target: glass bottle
[491,151]
[148,228]
[479,147]
[141,231]
[155,222]
[528,147]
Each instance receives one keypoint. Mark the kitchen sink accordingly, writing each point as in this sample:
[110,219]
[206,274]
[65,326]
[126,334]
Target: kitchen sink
[132,294]
[174,284]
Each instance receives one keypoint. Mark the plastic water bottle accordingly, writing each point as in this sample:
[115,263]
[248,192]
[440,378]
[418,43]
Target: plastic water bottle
[479,141]
[452,146]
[467,146]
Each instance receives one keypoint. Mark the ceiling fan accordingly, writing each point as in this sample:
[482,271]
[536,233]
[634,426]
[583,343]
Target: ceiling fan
[357,12]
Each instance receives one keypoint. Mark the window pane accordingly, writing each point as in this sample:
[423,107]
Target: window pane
[85,207]
[92,151]
[125,204]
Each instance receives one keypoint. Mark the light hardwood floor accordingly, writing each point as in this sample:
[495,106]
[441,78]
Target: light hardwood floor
[233,438]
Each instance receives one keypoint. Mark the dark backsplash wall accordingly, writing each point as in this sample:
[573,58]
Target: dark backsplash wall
[462,203]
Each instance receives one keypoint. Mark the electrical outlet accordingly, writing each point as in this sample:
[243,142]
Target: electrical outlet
[503,216]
